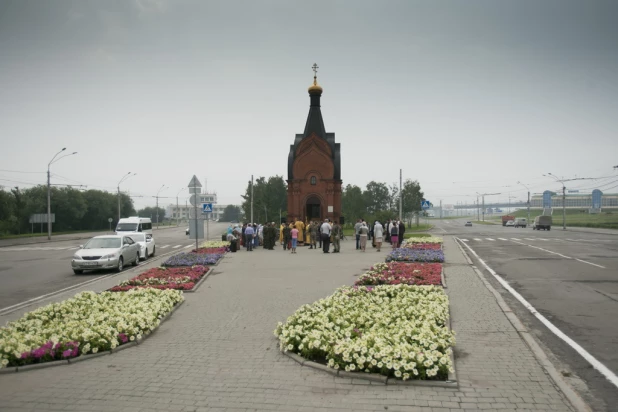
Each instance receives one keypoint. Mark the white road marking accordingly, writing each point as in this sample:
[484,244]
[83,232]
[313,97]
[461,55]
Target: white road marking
[176,247]
[501,238]
[188,246]
[488,238]
[604,370]
[590,263]
[477,239]
[465,240]
[514,238]
[549,251]
[527,238]
[163,247]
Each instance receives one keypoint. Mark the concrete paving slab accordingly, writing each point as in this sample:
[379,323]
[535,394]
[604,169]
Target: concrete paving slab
[218,351]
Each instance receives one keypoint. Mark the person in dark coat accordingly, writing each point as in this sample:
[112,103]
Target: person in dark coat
[402,230]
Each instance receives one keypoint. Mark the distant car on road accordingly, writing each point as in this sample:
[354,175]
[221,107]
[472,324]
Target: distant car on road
[542,222]
[106,252]
[510,223]
[468,223]
[521,222]
[146,242]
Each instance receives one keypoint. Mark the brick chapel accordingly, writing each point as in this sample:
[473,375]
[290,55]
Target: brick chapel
[314,168]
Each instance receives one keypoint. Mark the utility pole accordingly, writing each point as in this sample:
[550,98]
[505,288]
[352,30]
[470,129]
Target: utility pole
[401,195]
[49,224]
[483,199]
[197,199]
[252,221]
[440,208]
[478,212]
[562,181]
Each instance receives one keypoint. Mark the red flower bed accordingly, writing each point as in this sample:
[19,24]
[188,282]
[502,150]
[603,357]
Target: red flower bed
[425,246]
[179,278]
[210,250]
[395,273]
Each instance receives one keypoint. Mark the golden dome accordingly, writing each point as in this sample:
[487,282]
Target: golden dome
[315,88]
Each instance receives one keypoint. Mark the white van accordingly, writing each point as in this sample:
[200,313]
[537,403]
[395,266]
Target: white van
[134,224]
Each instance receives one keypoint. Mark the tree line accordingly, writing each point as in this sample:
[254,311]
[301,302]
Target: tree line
[74,209]
[378,201]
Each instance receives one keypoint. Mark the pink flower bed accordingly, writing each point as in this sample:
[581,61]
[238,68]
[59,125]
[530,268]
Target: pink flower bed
[425,246]
[210,250]
[395,273]
[179,278]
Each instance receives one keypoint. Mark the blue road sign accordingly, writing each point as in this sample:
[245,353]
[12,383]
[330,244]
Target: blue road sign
[425,204]
[206,207]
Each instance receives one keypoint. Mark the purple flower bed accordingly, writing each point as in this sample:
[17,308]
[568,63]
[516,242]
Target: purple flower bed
[192,259]
[415,255]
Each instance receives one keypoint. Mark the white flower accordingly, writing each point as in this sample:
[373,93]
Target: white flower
[95,350]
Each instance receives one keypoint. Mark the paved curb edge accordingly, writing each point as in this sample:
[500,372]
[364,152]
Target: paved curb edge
[26,368]
[371,377]
[572,396]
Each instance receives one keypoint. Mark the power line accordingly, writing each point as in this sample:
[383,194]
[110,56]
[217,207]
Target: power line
[18,171]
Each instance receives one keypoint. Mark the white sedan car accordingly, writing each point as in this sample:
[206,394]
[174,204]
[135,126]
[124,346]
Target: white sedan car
[510,223]
[106,252]
[146,242]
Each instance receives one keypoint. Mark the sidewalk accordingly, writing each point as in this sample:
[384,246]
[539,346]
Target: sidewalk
[60,238]
[218,351]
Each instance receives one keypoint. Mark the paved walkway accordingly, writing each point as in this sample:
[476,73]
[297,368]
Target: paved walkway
[218,351]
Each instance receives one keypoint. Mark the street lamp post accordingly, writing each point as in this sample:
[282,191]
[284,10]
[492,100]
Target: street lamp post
[125,177]
[520,183]
[49,227]
[178,210]
[162,187]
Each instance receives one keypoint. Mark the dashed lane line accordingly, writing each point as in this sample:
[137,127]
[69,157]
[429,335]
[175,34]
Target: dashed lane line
[163,247]
[488,238]
[501,238]
[477,239]
[176,247]
[604,370]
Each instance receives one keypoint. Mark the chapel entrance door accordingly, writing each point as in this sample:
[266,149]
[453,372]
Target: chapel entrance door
[313,209]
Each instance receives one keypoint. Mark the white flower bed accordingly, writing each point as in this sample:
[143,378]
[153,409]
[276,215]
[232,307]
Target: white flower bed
[214,243]
[427,239]
[398,331]
[87,323]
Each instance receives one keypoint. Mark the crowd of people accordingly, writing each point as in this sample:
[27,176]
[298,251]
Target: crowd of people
[392,232]
[316,234]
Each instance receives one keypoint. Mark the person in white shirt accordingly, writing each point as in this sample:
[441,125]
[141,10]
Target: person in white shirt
[325,233]
[378,232]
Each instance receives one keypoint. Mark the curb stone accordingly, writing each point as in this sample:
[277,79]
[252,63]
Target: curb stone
[26,368]
[573,397]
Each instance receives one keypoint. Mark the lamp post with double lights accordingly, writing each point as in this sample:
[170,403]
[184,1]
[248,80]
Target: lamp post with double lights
[54,160]
[162,188]
[562,181]
[125,177]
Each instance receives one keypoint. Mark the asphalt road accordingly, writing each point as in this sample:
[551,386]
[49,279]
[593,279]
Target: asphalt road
[571,278]
[32,270]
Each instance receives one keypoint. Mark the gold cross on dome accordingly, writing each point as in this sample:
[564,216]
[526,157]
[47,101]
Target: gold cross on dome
[315,69]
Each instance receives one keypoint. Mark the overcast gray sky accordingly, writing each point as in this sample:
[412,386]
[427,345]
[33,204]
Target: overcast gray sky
[480,93]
